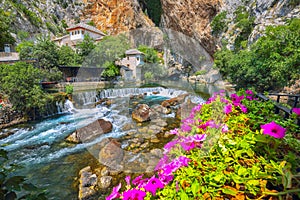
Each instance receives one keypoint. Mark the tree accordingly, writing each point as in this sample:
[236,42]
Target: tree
[25,50]
[151,55]
[111,70]
[85,47]
[269,64]
[68,57]
[46,51]
[21,82]
[111,48]
[6,37]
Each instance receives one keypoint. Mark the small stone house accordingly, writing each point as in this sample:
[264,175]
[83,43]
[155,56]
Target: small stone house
[77,33]
[131,65]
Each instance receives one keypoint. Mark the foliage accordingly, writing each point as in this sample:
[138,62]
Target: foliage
[23,35]
[11,185]
[69,89]
[151,55]
[200,72]
[21,82]
[25,50]
[111,70]
[46,51]
[68,57]
[110,49]
[5,20]
[224,150]
[245,23]
[148,75]
[85,47]
[269,64]
[219,23]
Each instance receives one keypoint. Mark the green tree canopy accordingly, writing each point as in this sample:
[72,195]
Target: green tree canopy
[151,55]
[5,36]
[110,49]
[68,57]
[25,50]
[270,63]
[21,82]
[85,47]
[46,51]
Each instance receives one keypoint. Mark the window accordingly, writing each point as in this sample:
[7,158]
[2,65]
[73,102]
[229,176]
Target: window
[137,58]
[127,57]
[82,32]
[67,44]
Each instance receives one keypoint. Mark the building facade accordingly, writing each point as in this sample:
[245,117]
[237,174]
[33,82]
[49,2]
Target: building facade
[131,65]
[76,34]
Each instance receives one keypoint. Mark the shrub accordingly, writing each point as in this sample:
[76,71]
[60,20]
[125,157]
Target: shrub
[200,72]
[227,148]
[69,89]
[219,23]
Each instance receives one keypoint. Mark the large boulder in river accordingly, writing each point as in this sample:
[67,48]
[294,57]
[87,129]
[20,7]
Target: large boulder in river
[111,155]
[141,113]
[90,132]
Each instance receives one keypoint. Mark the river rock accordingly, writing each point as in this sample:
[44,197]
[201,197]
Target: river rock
[141,113]
[162,109]
[112,155]
[87,183]
[105,182]
[174,101]
[90,132]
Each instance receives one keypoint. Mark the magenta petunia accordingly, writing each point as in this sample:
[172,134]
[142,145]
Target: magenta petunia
[224,128]
[153,184]
[227,109]
[243,108]
[296,110]
[139,181]
[273,130]
[127,179]
[115,193]
[250,92]
[174,131]
[134,194]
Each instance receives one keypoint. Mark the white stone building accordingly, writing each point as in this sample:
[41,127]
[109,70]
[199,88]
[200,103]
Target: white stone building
[131,65]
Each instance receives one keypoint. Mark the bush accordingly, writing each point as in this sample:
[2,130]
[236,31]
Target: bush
[200,72]
[69,89]
[269,64]
[219,23]
[229,147]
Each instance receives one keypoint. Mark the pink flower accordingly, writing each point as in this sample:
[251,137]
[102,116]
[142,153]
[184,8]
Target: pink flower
[153,184]
[174,131]
[127,179]
[243,108]
[227,109]
[273,130]
[115,193]
[134,194]
[296,110]
[250,92]
[224,128]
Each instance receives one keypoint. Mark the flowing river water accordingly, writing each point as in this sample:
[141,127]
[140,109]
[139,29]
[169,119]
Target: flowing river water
[49,162]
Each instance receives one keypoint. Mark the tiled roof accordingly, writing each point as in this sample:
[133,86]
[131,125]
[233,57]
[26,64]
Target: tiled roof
[133,52]
[87,27]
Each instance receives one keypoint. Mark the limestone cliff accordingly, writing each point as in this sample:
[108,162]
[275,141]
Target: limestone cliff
[191,17]
[115,16]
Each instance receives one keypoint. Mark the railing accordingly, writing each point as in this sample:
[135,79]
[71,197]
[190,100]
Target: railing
[279,107]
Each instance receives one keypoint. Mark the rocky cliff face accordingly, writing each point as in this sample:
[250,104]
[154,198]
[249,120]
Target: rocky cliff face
[191,17]
[264,12]
[115,16]
[43,16]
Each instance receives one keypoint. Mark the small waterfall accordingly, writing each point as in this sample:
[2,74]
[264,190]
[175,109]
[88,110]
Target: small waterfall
[85,98]
[125,92]
[69,107]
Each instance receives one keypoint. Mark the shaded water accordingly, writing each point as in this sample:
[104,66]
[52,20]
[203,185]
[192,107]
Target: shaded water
[51,163]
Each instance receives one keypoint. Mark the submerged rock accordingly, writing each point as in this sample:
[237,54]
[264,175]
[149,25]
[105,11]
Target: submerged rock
[141,113]
[90,132]
[111,155]
[87,183]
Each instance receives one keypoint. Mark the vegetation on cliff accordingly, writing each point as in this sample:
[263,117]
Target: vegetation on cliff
[271,63]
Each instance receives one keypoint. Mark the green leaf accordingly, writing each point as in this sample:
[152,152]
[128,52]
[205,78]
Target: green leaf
[228,159]
[229,191]
[242,171]
[195,187]
[183,196]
